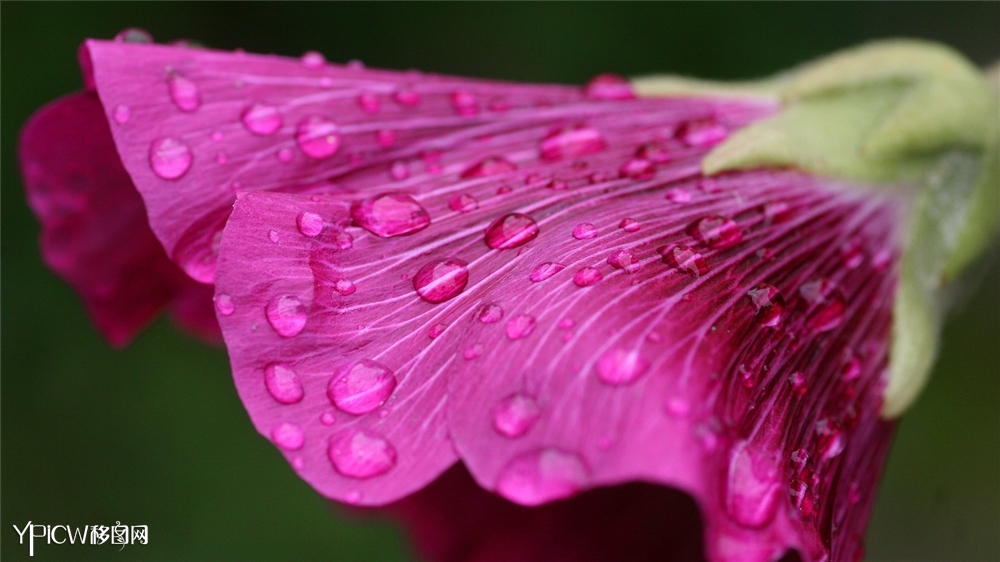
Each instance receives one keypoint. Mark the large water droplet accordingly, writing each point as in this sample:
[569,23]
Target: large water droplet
[310,224]
[542,476]
[390,214]
[570,143]
[585,231]
[224,304]
[828,317]
[752,486]
[318,137]
[716,232]
[587,276]
[288,436]
[769,303]
[287,315]
[183,92]
[464,103]
[463,203]
[361,386]
[490,313]
[489,166]
[360,453]
[261,119]
[511,231]
[369,102]
[618,367]
[441,280]
[515,415]
[169,158]
[609,87]
[682,258]
[283,383]
[545,270]
[625,261]
[122,114]
[520,326]
[637,169]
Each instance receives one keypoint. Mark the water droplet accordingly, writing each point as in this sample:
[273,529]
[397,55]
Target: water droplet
[678,195]
[851,369]
[558,185]
[752,486]
[472,351]
[361,386]
[489,166]
[499,105]
[169,158]
[682,258]
[490,313]
[313,59]
[545,270]
[355,64]
[261,119]
[464,103]
[318,137]
[520,326]
[283,383]
[585,231]
[776,212]
[385,138]
[572,142]
[361,453]
[515,415]
[463,203]
[133,35]
[702,133]
[285,155]
[656,152]
[511,231]
[344,240]
[390,214]
[369,102]
[637,169]
[798,383]
[624,260]
[224,304]
[272,235]
[287,315]
[769,303]
[827,317]
[716,232]
[436,330]
[441,280]
[677,407]
[609,87]
[327,418]
[618,367]
[542,476]
[831,438]
[629,225]
[184,93]
[288,436]
[399,170]
[122,114]
[345,287]
[503,190]
[406,98]
[310,224]
[586,276]
[566,324]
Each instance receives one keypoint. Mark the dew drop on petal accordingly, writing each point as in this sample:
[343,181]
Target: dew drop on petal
[288,436]
[490,313]
[702,133]
[831,438]
[313,59]
[570,143]
[184,93]
[537,477]
[385,138]
[511,231]
[369,102]
[463,203]
[489,166]
[473,351]
[716,231]
[310,224]
[399,170]
[682,258]
[816,290]
[344,241]
[629,225]
[287,315]
[618,367]
[545,270]
[169,158]
[566,324]
[851,368]
[345,287]
[286,155]
[327,418]
[520,326]
[318,137]
[515,415]
[625,261]
[656,152]
[361,453]
[436,330]
[283,384]
[122,114]
[361,386]
[678,195]
[390,214]
[609,87]
[776,212]
[828,317]
[769,303]
[464,103]
[585,231]
[677,407]
[272,235]
[637,169]
[587,276]
[224,304]
[441,280]
[752,486]
[261,119]
[133,35]
[406,98]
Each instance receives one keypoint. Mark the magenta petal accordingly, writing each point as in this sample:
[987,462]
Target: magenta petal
[94,229]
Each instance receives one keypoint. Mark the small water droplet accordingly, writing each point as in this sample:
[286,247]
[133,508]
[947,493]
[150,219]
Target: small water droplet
[261,119]
[122,114]
[585,231]
[776,212]
[511,231]
[853,255]
[752,486]
[355,64]
[827,317]
[558,185]
[133,35]
[587,276]
[361,453]
[361,386]
[515,415]
[489,166]
[702,133]
[318,137]
[287,315]
[310,224]
[520,326]
[490,313]
[618,367]
[682,258]
[283,384]
[831,438]
[769,303]
[345,287]
[716,232]
[369,102]
[224,304]
[385,138]
[637,169]
[436,330]
[609,87]
[406,98]
[571,142]
[313,59]
[272,235]
[472,351]
[816,290]
[288,436]
[542,476]
[629,225]
[441,280]
[463,203]
[344,240]
[678,195]
[851,369]
[677,407]
[184,93]
[566,324]
[798,383]
[656,152]
[545,270]
[399,170]
[327,418]
[169,158]
[285,155]
[390,214]
[464,103]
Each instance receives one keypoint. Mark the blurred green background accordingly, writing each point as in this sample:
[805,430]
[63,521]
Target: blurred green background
[155,434]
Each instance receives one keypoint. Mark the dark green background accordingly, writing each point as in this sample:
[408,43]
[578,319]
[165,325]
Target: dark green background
[155,434]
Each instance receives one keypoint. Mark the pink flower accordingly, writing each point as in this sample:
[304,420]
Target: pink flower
[539,282]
